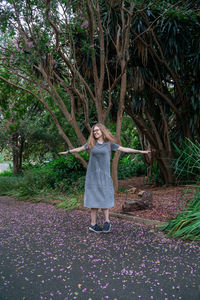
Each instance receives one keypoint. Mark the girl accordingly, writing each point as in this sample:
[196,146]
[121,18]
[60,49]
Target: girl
[99,192]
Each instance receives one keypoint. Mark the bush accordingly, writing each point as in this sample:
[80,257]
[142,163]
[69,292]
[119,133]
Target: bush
[68,167]
[35,182]
[129,167]
[8,184]
[68,186]
[187,165]
[65,174]
[6,174]
[187,224]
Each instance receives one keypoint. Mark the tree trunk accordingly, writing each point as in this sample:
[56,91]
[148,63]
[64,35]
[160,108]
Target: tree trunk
[115,163]
[17,155]
[16,162]
[122,47]
[21,154]
[164,161]
[163,157]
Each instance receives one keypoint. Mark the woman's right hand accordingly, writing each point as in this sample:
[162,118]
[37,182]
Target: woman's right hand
[62,153]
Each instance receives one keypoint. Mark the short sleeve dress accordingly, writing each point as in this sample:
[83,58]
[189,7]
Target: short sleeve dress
[99,191]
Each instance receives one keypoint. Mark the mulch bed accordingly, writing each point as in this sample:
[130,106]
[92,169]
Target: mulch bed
[167,201]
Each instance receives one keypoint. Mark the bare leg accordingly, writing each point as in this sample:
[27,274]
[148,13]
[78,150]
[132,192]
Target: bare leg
[106,214]
[93,216]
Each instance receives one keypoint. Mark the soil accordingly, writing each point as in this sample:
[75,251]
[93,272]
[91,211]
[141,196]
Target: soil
[167,201]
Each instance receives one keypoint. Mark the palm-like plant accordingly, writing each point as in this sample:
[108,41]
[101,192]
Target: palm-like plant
[187,224]
[187,165]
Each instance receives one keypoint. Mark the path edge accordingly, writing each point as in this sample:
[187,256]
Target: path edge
[143,221]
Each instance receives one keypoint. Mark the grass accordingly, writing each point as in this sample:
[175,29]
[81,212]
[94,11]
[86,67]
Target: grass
[69,203]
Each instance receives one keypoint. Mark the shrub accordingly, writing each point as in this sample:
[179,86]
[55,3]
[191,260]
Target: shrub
[65,174]
[187,165]
[187,224]
[6,174]
[68,186]
[8,184]
[66,167]
[129,167]
[36,181]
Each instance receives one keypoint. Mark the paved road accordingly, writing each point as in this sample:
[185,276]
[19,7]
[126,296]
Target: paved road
[4,167]
[49,254]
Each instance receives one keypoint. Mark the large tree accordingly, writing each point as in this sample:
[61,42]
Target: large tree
[163,98]
[88,58]
[48,44]
[26,130]
[12,111]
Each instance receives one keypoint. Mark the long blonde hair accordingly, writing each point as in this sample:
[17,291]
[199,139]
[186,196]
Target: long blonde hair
[107,135]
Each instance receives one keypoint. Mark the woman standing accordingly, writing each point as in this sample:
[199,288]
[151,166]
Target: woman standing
[99,192]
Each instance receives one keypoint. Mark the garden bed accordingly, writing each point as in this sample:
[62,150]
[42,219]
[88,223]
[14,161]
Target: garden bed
[167,201]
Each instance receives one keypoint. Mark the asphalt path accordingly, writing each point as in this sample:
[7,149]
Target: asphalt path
[4,167]
[49,254]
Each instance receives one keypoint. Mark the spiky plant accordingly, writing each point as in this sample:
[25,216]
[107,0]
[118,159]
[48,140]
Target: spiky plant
[187,224]
[187,165]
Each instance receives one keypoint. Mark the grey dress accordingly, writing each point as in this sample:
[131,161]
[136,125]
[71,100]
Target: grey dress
[99,192]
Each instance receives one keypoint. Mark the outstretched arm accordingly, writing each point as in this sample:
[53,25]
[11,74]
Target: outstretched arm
[130,150]
[75,150]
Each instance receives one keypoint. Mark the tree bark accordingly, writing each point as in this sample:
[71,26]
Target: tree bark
[160,145]
[122,47]
[164,161]
[17,151]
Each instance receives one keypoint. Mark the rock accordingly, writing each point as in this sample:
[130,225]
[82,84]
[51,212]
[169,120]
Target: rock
[132,190]
[141,193]
[147,198]
[141,203]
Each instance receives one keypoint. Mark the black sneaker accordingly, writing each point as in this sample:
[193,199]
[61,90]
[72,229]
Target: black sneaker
[106,227]
[95,228]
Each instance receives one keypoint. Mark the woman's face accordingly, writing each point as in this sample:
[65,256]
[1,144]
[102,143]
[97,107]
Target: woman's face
[97,132]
